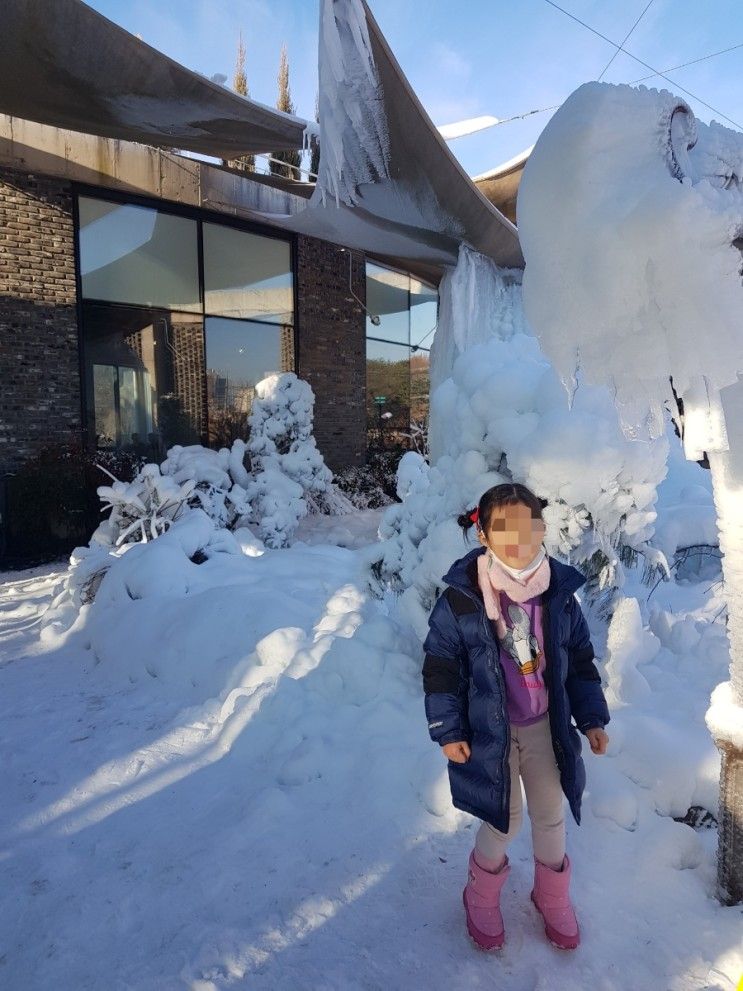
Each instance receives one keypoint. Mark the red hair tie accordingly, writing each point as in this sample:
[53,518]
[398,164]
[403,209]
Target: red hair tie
[475,514]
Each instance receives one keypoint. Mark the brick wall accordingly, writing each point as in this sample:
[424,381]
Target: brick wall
[332,348]
[39,364]
[189,379]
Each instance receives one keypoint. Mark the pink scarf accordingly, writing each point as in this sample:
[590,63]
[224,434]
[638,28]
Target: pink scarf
[495,579]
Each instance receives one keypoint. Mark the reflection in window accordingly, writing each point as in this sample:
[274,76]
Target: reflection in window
[240,353]
[387,297]
[398,380]
[387,392]
[424,302]
[247,275]
[420,384]
[144,374]
[133,254]
[123,405]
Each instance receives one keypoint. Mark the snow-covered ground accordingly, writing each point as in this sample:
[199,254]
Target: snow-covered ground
[235,788]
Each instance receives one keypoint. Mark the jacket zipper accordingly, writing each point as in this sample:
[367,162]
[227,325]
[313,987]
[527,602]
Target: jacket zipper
[549,656]
[494,652]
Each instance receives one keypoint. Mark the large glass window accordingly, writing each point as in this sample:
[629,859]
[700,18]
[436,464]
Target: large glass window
[247,276]
[144,377]
[401,320]
[172,351]
[388,299]
[239,354]
[132,254]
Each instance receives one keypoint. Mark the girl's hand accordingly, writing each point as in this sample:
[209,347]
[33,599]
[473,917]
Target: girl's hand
[598,740]
[458,752]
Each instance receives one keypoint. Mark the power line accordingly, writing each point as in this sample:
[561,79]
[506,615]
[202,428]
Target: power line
[507,120]
[642,79]
[683,65]
[624,40]
[646,64]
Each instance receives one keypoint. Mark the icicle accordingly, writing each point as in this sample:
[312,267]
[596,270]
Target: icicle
[353,128]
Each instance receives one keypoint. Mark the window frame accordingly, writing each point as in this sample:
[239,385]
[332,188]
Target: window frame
[200,215]
[411,348]
[370,259]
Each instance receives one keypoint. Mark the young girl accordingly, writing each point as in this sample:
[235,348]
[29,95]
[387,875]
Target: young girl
[508,661]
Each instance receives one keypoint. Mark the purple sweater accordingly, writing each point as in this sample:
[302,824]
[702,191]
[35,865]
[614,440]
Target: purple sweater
[522,659]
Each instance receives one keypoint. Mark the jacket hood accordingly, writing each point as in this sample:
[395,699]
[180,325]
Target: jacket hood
[463,575]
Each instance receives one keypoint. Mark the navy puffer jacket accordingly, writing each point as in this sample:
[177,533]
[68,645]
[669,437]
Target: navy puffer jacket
[465,688]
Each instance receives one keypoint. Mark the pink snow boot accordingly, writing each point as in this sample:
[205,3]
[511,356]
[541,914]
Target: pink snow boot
[481,898]
[550,895]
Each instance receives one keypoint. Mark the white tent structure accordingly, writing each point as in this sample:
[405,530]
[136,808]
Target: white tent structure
[388,183]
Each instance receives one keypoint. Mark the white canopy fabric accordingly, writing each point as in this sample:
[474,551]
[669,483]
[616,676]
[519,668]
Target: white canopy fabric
[388,183]
[62,63]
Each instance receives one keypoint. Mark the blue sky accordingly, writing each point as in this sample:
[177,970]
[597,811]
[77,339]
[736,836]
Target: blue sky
[464,59]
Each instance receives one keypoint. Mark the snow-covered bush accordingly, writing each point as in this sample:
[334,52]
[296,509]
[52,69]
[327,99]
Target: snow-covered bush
[142,509]
[277,505]
[219,478]
[372,484]
[286,480]
[166,566]
[109,574]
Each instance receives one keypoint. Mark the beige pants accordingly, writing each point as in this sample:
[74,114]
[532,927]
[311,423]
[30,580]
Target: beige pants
[532,758]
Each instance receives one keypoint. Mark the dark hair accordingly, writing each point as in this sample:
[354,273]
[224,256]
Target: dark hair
[507,494]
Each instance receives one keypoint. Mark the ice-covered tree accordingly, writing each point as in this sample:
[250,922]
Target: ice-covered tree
[289,475]
[498,413]
[630,214]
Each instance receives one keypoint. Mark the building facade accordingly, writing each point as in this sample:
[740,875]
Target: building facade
[140,304]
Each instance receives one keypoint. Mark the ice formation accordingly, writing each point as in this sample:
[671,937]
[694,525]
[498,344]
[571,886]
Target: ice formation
[477,300]
[631,219]
[355,142]
[629,211]
[498,411]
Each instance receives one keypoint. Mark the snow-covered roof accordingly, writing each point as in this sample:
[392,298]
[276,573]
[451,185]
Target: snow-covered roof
[501,184]
[505,168]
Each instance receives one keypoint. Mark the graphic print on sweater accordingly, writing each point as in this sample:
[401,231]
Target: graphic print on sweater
[521,644]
